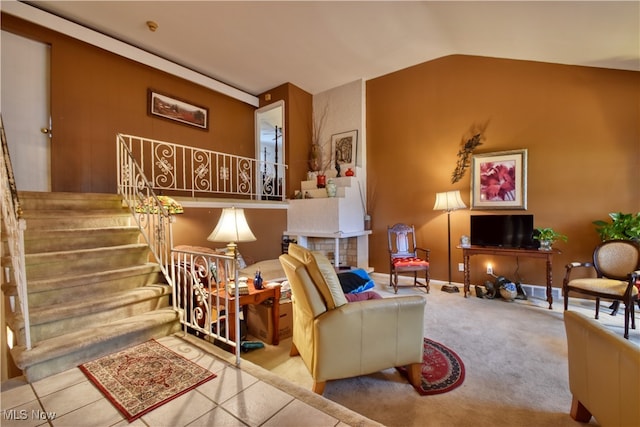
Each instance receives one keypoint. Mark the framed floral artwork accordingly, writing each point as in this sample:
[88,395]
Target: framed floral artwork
[499,180]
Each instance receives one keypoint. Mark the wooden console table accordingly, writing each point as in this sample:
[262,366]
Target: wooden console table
[529,253]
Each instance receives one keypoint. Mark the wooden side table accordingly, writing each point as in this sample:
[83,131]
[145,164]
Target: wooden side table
[254,296]
[467,252]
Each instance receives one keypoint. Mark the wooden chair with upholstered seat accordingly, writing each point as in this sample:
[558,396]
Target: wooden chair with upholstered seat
[615,263]
[405,256]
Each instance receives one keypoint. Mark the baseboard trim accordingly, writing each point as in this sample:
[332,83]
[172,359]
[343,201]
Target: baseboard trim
[536,291]
[532,291]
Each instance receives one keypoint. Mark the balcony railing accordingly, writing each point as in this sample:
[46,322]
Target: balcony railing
[205,173]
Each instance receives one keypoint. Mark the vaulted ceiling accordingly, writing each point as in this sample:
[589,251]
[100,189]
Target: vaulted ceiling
[318,45]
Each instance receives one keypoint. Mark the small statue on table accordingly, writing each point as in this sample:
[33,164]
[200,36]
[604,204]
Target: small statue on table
[257,280]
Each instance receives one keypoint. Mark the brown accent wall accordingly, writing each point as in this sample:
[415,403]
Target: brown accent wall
[194,226]
[96,94]
[581,127]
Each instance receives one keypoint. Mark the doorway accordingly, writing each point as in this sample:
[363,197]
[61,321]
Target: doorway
[25,110]
[270,148]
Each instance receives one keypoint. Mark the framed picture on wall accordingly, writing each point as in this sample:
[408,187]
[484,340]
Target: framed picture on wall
[168,107]
[499,180]
[344,149]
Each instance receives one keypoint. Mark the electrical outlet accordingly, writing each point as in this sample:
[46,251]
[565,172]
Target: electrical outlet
[460,266]
[489,269]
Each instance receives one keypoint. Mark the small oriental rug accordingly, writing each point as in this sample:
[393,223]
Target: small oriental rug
[141,378]
[442,369]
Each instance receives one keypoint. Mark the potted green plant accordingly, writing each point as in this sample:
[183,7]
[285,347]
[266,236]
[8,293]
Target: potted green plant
[622,226]
[547,237]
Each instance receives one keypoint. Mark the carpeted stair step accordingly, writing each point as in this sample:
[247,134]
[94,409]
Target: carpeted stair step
[84,261]
[60,219]
[36,241]
[56,320]
[58,354]
[34,200]
[59,289]
[91,284]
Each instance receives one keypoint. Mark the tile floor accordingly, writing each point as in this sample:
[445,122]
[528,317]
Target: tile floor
[233,398]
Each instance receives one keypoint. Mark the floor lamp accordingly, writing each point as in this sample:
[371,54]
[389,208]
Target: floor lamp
[449,201]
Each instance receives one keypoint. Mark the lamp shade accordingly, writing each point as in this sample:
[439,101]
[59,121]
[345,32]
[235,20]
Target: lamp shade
[449,201]
[232,227]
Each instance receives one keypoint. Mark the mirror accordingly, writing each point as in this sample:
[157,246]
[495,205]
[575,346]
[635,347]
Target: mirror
[269,123]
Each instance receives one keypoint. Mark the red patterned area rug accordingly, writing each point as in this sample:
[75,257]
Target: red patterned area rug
[442,369]
[141,378]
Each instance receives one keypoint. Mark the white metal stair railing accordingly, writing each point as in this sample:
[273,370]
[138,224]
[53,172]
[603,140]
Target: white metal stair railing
[15,226]
[201,172]
[200,289]
[151,216]
[178,267]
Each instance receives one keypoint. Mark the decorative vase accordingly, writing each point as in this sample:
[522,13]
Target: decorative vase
[257,280]
[332,189]
[321,181]
[349,172]
[367,222]
[545,245]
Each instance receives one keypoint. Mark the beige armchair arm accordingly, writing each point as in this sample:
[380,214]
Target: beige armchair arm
[604,373]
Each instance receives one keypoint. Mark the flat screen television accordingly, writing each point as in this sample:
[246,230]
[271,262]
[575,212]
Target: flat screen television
[507,231]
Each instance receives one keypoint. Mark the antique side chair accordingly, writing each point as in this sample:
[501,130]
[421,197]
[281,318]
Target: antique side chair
[405,256]
[615,263]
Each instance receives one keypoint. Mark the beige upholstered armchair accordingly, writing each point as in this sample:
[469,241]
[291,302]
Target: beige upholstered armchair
[337,339]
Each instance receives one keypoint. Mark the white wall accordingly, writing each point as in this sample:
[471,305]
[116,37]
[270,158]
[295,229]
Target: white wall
[346,110]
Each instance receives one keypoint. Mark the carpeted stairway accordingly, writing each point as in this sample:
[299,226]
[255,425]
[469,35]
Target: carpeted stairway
[91,287]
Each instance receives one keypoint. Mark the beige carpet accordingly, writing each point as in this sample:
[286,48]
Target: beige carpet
[515,357]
